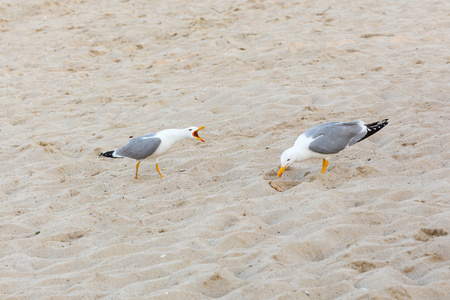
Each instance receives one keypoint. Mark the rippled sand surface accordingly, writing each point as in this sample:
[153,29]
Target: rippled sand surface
[81,77]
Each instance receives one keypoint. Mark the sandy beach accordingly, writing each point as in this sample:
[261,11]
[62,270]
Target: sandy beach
[82,77]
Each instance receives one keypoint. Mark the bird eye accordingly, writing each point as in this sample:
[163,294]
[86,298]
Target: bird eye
[288,159]
[190,129]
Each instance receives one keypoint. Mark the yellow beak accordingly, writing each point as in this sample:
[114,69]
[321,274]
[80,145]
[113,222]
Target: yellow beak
[195,134]
[281,171]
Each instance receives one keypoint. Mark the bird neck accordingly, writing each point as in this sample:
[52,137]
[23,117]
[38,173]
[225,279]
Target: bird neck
[174,135]
[300,148]
[299,153]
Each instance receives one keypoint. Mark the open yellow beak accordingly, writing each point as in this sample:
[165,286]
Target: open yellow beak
[195,134]
[281,171]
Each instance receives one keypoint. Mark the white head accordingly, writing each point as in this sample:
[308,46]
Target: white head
[287,158]
[193,132]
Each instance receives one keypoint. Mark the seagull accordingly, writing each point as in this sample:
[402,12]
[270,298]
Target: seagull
[153,145]
[326,139]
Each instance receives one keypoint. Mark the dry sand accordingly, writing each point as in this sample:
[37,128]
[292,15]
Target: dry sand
[80,77]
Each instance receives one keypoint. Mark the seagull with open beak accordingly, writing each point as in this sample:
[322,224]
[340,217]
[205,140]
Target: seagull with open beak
[153,145]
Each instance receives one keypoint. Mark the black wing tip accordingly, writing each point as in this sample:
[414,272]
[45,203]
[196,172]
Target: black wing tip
[373,128]
[107,154]
[377,125]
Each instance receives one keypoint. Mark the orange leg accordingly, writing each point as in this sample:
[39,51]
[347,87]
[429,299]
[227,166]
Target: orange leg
[157,169]
[324,165]
[137,168]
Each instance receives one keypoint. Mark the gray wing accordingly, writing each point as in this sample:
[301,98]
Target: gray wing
[333,137]
[140,147]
